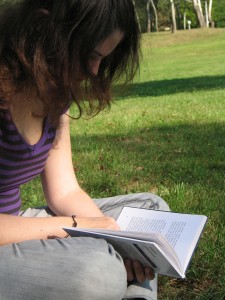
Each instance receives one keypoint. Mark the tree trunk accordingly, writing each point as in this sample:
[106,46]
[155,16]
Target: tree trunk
[212,24]
[185,16]
[174,25]
[185,21]
[148,16]
[198,11]
[156,15]
[206,14]
[138,20]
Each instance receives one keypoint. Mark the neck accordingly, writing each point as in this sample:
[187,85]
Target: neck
[28,115]
[26,104]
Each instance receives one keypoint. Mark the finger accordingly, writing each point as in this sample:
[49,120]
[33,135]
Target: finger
[139,272]
[129,269]
[112,224]
[150,274]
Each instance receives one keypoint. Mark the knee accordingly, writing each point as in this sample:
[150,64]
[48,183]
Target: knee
[102,276]
[79,268]
[153,201]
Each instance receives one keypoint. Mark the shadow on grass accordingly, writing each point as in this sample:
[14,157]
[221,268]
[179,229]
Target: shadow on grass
[193,154]
[170,86]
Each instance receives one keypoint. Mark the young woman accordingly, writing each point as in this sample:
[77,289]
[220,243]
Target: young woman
[54,53]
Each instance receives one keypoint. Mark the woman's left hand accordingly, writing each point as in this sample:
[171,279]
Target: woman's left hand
[135,271]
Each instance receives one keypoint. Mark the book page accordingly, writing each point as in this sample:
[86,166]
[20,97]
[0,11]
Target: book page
[180,230]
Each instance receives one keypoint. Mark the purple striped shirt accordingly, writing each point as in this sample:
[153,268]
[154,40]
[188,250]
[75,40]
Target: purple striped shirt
[19,161]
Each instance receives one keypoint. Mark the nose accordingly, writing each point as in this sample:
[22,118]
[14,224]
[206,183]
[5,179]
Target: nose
[94,66]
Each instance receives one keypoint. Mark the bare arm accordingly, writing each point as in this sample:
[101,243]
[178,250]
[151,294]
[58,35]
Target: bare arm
[16,229]
[62,191]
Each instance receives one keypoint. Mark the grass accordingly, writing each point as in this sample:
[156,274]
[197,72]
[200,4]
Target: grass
[165,134]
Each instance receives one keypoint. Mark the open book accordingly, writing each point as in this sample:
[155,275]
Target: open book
[163,240]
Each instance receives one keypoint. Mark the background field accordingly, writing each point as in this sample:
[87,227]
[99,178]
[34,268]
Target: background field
[165,134]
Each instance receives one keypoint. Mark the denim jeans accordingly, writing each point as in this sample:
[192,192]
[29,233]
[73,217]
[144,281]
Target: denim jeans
[73,268]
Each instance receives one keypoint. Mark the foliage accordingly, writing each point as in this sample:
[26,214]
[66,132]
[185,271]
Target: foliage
[185,7]
[141,11]
[164,13]
[218,13]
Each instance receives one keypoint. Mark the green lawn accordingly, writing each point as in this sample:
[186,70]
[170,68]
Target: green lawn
[165,134]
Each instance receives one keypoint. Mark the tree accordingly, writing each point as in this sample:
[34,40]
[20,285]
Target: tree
[211,22]
[137,15]
[148,16]
[173,14]
[155,15]
[198,10]
[206,14]
[148,3]
[185,11]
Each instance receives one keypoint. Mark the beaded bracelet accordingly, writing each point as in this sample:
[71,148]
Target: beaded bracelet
[74,221]
[73,225]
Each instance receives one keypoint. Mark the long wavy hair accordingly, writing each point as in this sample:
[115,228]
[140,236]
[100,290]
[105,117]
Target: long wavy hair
[45,44]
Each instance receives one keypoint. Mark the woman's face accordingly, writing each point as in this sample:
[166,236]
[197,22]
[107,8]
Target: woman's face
[102,50]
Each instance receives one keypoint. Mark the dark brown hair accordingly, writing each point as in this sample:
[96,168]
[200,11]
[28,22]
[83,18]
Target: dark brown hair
[46,43]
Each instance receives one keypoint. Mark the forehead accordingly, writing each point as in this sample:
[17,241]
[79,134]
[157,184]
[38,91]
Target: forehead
[109,43]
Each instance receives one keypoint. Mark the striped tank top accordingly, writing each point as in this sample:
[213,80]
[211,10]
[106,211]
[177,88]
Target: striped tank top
[19,161]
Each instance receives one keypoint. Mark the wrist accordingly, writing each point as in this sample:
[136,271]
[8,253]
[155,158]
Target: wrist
[74,224]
